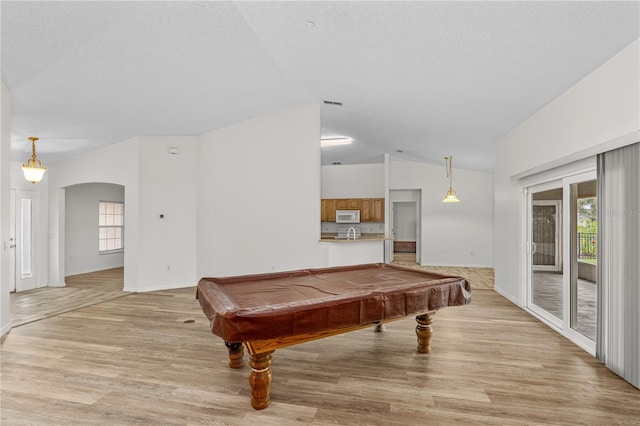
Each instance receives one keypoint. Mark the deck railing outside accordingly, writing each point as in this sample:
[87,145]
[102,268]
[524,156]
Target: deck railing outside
[587,245]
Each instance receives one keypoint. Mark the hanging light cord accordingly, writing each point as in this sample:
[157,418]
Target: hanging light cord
[34,160]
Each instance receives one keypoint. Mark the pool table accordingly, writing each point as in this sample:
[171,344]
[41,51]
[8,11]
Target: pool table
[269,311]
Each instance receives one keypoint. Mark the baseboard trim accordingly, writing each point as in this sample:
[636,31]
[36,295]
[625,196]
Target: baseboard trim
[160,287]
[507,296]
[466,265]
[4,330]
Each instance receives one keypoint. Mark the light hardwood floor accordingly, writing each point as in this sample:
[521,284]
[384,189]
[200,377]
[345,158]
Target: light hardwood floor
[81,290]
[477,277]
[151,359]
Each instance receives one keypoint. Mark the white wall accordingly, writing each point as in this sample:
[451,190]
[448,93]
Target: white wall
[360,252]
[601,112]
[81,228]
[5,173]
[117,164]
[453,234]
[353,181]
[168,184]
[154,182]
[259,195]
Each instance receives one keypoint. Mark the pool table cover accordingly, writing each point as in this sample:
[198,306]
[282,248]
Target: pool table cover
[266,306]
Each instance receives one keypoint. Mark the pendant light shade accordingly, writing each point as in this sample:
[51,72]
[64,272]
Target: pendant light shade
[33,169]
[451,196]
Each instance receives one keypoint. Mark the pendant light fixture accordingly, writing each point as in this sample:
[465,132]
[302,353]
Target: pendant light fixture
[33,170]
[451,194]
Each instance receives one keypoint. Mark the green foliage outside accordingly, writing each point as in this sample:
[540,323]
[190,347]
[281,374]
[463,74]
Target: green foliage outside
[587,229]
[587,215]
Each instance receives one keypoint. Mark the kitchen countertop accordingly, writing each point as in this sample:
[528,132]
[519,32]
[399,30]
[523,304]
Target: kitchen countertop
[330,238]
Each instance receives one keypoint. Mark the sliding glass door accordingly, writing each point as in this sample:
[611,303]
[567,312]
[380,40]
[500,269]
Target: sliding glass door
[545,295]
[584,249]
[561,256]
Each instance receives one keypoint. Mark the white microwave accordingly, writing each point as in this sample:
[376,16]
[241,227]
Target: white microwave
[347,216]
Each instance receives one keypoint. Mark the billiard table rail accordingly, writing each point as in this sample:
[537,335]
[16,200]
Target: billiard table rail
[276,305]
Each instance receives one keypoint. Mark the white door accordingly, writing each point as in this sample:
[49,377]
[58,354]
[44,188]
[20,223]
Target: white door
[12,240]
[25,235]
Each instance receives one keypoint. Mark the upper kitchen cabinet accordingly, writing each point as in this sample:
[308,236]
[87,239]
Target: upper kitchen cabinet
[328,213]
[347,204]
[372,210]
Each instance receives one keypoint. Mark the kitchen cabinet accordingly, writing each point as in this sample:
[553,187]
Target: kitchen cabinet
[341,204]
[377,209]
[347,204]
[353,203]
[371,209]
[365,211]
[328,212]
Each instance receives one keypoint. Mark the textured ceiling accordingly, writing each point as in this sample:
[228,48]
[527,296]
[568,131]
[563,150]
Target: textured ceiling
[428,78]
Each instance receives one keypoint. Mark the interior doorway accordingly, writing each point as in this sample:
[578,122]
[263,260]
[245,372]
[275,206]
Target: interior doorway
[94,233]
[406,224]
[404,227]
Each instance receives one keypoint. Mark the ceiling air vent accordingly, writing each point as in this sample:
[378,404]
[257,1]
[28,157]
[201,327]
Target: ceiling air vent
[333,103]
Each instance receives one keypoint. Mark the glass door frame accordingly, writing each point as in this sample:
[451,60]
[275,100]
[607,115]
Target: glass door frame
[562,325]
[569,289]
[535,310]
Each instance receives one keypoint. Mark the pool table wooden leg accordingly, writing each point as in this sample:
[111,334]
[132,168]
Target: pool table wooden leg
[260,379]
[236,353]
[424,332]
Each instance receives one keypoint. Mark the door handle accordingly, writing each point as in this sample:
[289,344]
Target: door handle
[12,246]
[534,248]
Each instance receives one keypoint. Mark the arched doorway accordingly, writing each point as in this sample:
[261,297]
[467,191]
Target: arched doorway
[94,235]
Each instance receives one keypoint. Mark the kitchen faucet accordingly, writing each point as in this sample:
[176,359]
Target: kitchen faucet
[349,232]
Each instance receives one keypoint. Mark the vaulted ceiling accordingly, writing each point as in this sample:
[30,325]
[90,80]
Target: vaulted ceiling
[425,78]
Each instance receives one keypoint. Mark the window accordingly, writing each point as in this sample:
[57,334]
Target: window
[110,227]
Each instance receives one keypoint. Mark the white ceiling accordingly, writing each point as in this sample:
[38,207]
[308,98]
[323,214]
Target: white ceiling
[428,78]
